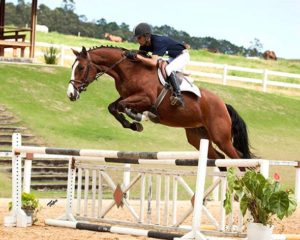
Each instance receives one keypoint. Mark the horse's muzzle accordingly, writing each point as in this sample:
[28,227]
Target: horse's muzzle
[72,93]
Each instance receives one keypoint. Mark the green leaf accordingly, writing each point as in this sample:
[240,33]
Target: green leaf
[227,203]
[279,204]
[244,202]
[292,205]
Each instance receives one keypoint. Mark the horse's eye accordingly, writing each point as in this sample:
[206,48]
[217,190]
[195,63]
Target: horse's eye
[80,68]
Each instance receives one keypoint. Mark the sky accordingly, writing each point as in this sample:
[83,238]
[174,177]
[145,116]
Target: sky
[276,23]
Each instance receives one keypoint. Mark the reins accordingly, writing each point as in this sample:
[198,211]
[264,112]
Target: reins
[86,81]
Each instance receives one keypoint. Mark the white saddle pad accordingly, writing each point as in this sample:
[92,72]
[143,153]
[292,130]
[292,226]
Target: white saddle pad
[185,86]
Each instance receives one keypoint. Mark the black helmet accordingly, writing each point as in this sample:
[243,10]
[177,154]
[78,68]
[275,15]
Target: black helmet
[142,29]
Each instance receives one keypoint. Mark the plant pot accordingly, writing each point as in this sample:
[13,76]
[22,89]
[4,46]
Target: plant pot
[259,231]
[32,214]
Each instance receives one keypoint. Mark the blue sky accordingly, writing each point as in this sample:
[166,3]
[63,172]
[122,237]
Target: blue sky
[276,23]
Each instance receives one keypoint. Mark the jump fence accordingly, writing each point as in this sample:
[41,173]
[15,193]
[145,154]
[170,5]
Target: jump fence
[85,201]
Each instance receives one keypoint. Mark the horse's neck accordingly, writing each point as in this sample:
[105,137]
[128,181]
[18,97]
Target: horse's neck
[128,77]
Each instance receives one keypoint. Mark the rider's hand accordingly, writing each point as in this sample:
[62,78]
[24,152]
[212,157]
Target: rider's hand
[130,55]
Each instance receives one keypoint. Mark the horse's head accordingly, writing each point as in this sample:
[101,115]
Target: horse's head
[83,73]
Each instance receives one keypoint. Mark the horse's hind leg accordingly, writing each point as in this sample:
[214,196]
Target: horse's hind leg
[194,135]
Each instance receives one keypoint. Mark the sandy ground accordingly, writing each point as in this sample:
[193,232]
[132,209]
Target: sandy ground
[41,231]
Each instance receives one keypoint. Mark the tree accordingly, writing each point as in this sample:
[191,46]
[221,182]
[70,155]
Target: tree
[68,5]
[255,48]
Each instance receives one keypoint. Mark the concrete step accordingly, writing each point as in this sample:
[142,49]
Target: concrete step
[58,186]
[9,136]
[39,162]
[12,129]
[40,170]
[5,117]
[9,122]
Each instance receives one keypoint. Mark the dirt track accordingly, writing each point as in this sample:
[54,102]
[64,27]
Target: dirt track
[40,231]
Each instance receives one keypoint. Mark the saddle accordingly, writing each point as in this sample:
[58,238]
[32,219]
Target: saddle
[162,64]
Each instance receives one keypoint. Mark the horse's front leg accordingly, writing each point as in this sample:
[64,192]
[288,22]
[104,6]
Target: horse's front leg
[134,106]
[113,109]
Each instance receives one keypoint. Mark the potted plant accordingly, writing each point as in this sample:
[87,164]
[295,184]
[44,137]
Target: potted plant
[30,205]
[262,197]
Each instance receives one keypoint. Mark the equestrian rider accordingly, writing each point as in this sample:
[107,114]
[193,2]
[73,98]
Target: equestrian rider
[160,46]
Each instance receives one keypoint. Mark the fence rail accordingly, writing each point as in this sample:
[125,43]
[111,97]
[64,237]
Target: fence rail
[264,81]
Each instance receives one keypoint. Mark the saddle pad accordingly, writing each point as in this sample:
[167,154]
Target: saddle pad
[186,84]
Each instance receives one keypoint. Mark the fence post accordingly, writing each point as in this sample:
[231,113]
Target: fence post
[297,183]
[225,74]
[265,80]
[62,55]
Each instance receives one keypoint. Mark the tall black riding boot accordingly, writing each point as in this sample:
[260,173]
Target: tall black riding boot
[176,98]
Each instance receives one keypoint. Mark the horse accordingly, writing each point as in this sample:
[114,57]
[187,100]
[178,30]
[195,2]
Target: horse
[269,55]
[113,38]
[139,89]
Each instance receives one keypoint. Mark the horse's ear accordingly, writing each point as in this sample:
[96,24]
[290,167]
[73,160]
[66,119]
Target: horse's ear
[77,54]
[83,51]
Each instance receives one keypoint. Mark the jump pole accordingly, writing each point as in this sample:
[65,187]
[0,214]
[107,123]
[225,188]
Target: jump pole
[17,216]
[199,194]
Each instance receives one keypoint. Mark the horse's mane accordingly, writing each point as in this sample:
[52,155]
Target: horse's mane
[143,53]
[103,46]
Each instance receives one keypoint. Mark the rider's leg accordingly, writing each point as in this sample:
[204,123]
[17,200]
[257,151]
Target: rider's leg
[176,98]
[176,64]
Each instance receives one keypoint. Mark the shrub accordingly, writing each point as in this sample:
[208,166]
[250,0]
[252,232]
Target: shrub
[50,55]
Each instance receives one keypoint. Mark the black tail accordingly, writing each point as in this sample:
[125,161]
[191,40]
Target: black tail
[239,133]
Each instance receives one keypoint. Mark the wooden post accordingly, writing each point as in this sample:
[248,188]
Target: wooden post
[33,28]
[2,13]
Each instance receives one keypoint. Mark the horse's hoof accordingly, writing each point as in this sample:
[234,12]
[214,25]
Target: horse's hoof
[135,126]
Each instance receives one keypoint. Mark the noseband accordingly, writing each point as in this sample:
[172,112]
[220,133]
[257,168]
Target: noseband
[86,81]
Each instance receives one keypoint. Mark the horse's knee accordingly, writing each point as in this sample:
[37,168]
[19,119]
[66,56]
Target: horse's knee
[111,108]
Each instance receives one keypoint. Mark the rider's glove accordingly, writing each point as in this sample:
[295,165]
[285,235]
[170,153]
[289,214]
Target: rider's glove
[130,55]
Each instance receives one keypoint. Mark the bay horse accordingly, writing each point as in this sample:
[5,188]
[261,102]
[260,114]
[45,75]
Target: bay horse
[139,87]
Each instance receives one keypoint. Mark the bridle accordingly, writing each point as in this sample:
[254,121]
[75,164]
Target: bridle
[86,81]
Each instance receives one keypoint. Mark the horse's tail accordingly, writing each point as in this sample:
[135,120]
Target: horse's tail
[239,133]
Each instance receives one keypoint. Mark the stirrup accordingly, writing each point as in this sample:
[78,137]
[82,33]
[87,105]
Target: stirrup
[177,101]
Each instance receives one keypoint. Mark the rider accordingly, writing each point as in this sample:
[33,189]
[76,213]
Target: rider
[160,46]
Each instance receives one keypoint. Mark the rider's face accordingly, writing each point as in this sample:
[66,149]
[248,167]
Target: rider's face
[142,40]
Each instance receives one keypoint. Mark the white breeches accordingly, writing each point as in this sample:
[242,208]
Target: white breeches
[177,64]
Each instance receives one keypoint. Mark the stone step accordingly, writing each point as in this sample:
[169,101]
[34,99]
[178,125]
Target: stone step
[12,129]
[9,122]
[52,177]
[5,117]
[40,162]
[57,186]
[9,136]
[8,143]
[40,170]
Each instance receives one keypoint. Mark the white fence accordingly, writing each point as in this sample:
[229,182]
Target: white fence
[264,81]
[66,58]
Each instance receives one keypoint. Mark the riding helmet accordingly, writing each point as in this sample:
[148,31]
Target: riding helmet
[142,29]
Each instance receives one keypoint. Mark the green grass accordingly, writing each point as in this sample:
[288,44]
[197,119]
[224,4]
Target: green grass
[37,95]
[283,65]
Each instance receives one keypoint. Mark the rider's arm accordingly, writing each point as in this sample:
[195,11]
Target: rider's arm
[148,61]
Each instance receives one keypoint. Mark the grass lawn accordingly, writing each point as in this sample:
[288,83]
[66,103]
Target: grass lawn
[37,95]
